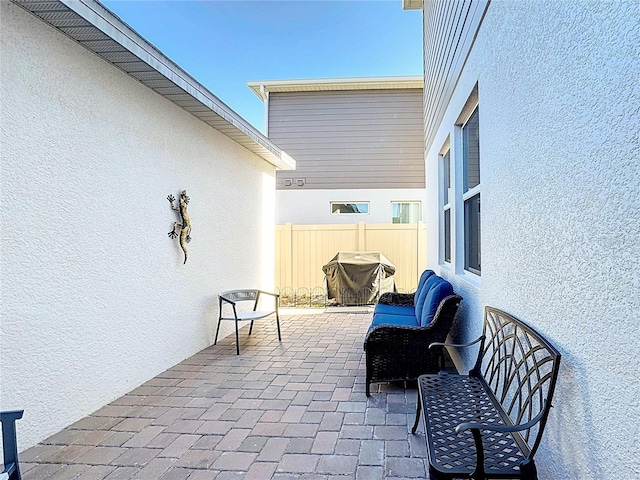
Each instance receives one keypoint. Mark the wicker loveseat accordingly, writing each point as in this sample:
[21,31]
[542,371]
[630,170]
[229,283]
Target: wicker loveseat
[403,326]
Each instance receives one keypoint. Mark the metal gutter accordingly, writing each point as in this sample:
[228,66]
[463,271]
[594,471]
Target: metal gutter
[96,28]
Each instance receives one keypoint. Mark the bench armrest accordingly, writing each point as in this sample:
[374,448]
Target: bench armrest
[479,340]
[477,438]
[457,345]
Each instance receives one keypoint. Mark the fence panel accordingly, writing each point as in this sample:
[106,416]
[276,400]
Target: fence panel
[302,250]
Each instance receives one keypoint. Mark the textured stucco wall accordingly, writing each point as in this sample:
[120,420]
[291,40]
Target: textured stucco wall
[95,299]
[560,164]
[312,207]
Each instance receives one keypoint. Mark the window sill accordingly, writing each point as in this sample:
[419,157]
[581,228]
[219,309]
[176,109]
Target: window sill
[471,278]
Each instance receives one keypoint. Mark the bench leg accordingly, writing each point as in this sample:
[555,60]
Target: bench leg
[528,470]
[215,341]
[478,473]
[278,324]
[418,409]
[237,339]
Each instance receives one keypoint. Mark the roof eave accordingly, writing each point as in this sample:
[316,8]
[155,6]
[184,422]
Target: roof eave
[89,23]
[263,88]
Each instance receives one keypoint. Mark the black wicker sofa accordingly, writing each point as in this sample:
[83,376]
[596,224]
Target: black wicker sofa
[403,326]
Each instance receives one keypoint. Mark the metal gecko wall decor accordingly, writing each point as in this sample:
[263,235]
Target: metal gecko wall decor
[184,225]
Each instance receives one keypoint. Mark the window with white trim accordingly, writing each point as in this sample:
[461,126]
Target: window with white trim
[471,192]
[342,208]
[405,212]
[446,199]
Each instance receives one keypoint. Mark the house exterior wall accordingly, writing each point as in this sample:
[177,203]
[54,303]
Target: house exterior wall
[560,182]
[350,139]
[305,207]
[95,298]
[462,19]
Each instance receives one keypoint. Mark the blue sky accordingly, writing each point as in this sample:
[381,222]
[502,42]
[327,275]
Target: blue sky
[226,43]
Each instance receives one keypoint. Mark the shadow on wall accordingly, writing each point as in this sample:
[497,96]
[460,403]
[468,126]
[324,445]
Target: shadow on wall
[210,318]
[572,406]
[466,328]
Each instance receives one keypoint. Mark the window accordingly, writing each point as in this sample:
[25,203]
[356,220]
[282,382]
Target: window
[405,212]
[342,208]
[446,205]
[471,192]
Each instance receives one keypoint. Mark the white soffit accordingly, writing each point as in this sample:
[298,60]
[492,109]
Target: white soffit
[97,29]
[263,88]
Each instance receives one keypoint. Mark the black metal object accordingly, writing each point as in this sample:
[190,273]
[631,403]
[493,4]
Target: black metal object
[489,424]
[232,298]
[302,297]
[10,444]
[401,352]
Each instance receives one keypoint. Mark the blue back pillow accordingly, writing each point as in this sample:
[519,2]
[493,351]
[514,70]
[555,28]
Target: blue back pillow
[423,279]
[428,285]
[435,295]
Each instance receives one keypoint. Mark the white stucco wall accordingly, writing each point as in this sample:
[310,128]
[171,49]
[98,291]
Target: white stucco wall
[560,188]
[313,207]
[95,298]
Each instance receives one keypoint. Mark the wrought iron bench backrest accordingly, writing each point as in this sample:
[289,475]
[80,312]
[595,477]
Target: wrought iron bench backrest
[521,368]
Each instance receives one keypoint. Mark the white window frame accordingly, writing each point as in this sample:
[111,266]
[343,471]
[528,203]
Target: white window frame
[466,196]
[414,202]
[446,194]
[454,144]
[331,204]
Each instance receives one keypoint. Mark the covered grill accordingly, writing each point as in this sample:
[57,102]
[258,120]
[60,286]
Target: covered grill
[358,278]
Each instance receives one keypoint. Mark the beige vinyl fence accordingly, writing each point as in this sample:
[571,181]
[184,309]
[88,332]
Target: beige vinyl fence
[302,250]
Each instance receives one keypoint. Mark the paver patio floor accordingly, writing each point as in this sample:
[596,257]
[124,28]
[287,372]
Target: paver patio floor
[294,409]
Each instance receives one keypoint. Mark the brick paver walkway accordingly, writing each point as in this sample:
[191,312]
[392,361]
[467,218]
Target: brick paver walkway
[290,410]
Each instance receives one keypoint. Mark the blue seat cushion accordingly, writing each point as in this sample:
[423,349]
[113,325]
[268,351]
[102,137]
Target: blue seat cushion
[428,285]
[384,309]
[386,319]
[437,292]
[423,279]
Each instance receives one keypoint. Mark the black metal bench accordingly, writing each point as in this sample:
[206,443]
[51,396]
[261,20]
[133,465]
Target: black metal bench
[489,423]
[11,470]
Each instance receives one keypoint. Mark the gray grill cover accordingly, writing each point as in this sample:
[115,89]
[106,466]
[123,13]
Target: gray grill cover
[358,278]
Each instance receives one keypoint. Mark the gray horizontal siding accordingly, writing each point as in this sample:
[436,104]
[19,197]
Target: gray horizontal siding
[449,30]
[350,139]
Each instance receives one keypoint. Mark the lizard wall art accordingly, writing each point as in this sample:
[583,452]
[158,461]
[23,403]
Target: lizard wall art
[185,225]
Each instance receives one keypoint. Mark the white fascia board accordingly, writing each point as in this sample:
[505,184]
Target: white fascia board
[263,88]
